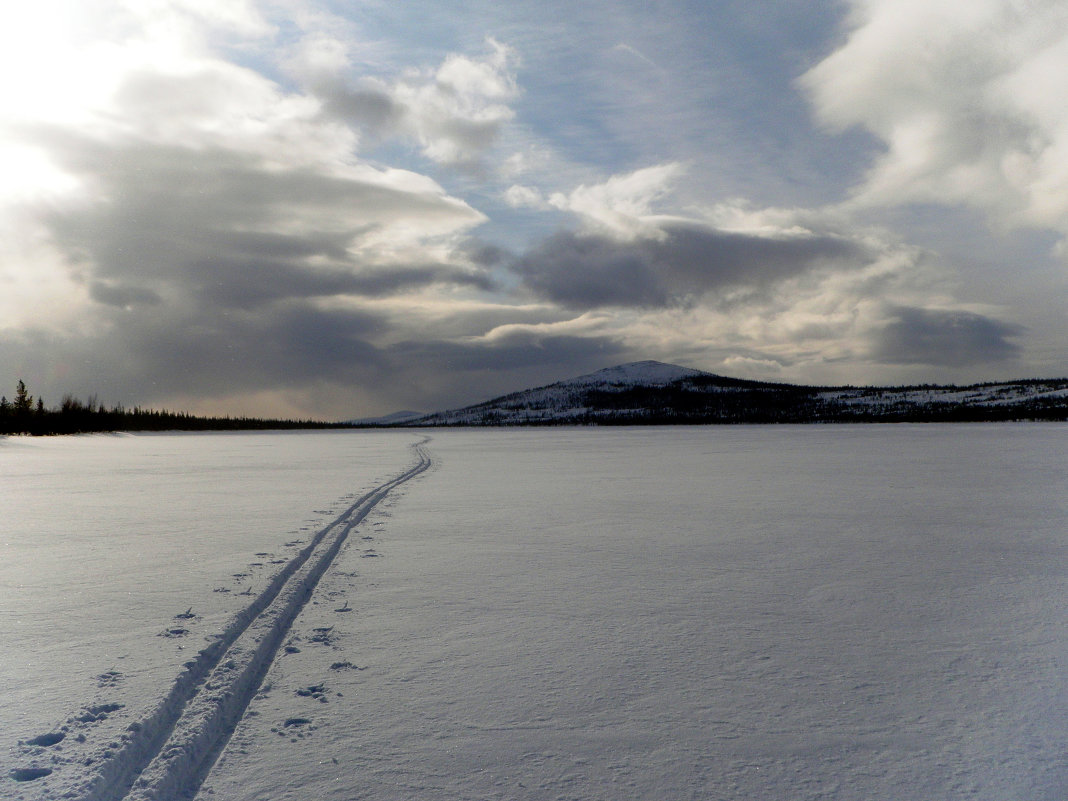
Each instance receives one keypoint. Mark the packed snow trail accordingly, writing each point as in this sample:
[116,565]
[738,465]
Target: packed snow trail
[171,751]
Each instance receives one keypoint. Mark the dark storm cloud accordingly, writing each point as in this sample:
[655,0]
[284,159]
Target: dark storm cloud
[178,223]
[162,203]
[216,274]
[112,294]
[516,351]
[586,271]
[295,344]
[248,283]
[458,373]
[944,338]
[371,109]
[153,355]
[486,253]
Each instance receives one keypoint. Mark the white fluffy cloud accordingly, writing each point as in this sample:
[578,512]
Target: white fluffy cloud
[524,197]
[454,111]
[622,203]
[967,98]
[458,112]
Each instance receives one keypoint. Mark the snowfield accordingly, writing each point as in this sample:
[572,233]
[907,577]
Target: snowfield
[781,612]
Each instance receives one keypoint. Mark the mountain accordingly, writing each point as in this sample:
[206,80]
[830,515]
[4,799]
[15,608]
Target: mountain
[654,393]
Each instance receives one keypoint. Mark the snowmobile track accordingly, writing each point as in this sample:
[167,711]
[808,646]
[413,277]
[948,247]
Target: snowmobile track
[172,750]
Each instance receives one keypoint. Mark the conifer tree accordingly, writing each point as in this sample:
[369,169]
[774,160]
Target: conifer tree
[23,399]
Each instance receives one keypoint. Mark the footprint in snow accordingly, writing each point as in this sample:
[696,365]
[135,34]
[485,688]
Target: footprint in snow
[109,678]
[93,714]
[297,727]
[316,691]
[46,740]
[29,774]
[346,666]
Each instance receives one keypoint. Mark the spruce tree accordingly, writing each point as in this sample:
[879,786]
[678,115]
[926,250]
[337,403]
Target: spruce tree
[23,399]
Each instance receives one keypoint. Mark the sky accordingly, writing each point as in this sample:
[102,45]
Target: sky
[317,208]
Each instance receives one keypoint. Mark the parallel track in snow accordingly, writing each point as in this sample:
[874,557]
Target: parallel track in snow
[174,748]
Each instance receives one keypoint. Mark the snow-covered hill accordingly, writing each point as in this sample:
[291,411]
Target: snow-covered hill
[654,392]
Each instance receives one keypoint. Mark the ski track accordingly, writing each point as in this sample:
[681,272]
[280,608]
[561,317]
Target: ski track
[171,751]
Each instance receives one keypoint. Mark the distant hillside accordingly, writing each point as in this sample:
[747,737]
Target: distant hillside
[394,419]
[654,393]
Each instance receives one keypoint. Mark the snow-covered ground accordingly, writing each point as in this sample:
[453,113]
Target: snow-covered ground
[107,541]
[847,612]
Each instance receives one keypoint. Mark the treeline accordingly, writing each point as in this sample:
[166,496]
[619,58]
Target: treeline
[708,402]
[681,404]
[25,414]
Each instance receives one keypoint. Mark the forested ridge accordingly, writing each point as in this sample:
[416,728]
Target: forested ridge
[25,414]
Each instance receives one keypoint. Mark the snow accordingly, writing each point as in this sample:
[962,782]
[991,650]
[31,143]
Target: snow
[106,541]
[845,612]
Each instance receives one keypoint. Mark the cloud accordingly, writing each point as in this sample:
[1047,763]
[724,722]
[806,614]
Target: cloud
[777,291]
[944,337]
[680,264]
[459,372]
[151,355]
[619,205]
[516,350]
[213,233]
[307,360]
[209,269]
[633,51]
[518,197]
[963,95]
[218,228]
[123,296]
[216,204]
[455,111]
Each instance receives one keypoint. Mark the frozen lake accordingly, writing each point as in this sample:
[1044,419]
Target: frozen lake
[846,612]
